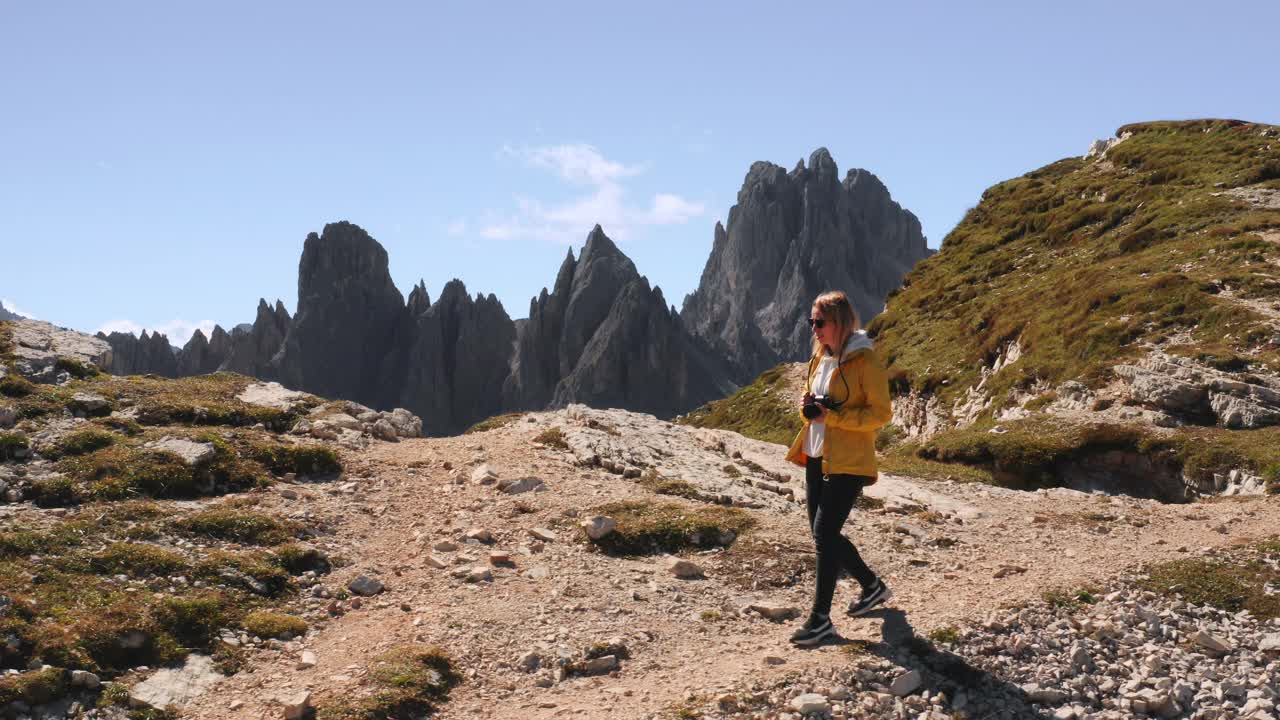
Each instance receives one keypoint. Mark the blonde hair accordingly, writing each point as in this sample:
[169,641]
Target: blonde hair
[835,308]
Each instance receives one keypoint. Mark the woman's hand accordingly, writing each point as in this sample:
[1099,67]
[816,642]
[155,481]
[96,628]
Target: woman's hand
[808,399]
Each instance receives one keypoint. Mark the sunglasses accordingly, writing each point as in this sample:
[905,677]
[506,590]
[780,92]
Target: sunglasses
[817,323]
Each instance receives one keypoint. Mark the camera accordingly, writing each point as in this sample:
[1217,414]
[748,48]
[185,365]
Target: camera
[811,403]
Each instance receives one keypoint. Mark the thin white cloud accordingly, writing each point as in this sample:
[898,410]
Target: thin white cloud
[13,308]
[178,331]
[673,210]
[605,204]
[579,163]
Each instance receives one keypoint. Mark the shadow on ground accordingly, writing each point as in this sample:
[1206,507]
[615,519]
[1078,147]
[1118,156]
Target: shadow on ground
[985,696]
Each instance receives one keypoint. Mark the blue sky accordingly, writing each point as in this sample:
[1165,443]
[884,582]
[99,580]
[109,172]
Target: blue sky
[161,163]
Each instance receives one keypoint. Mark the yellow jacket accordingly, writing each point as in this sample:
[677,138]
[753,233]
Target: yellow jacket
[850,445]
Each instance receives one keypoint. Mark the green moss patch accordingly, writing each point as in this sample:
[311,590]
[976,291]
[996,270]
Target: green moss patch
[138,560]
[298,559]
[663,485]
[406,682]
[761,410]
[1236,581]
[80,442]
[654,528]
[493,423]
[13,445]
[33,688]
[1027,453]
[552,437]
[279,459]
[265,624]
[237,525]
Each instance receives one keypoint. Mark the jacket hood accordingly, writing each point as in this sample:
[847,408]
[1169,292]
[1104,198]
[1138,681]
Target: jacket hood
[857,341]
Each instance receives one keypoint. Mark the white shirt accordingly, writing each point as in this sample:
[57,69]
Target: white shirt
[813,441]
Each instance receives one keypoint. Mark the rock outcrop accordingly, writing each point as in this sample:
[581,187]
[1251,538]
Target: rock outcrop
[202,356]
[149,353]
[348,312]
[450,358]
[605,338]
[252,350]
[789,237]
[38,346]
[8,315]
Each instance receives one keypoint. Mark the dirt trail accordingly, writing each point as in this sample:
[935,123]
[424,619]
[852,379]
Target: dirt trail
[684,636]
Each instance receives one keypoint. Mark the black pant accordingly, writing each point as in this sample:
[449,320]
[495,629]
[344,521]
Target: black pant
[829,500]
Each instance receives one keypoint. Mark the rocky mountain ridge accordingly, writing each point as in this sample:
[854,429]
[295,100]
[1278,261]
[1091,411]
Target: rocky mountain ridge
[602,336]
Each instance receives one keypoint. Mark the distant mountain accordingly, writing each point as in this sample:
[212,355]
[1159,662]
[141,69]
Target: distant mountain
[602,336]
[790,237]
[7,315]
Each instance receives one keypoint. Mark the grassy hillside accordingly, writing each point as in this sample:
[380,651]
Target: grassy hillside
[1171,240]
[1084,261]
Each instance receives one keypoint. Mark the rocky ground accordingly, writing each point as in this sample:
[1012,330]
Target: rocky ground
[510,588]
[516,552]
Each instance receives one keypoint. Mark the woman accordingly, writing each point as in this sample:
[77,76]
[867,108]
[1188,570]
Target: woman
[846,401]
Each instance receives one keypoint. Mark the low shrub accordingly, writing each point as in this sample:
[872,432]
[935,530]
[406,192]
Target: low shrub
[407,681]
[266,625]
[552,437]
[237,525]
[651,528]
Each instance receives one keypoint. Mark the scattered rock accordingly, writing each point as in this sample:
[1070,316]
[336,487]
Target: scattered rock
[296,704]
[192,453]
[810,703]
[306,660]
[599,526]
[906,683]
[365,586]
[523,485]
[542,534]
[682,568]
[776,612]
[484,475]
[176,686]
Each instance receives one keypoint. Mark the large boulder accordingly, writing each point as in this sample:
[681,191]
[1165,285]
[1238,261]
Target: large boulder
[37,347]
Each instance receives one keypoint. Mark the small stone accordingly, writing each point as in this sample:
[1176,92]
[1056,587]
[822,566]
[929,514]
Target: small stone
[480,534]
[296,705]
[599,526]
[1210,642]
[906,683]
[445,546]
[595,666]
[683,568]
[499,557]
[542,534]
[365,586]
[1006,570]
[1270,643]
[529,662]
[484,475]
[523,485]
[85,679]
[479,574]
[773,660]
[809,703]
[437,562]
[777,612]
[307,660]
